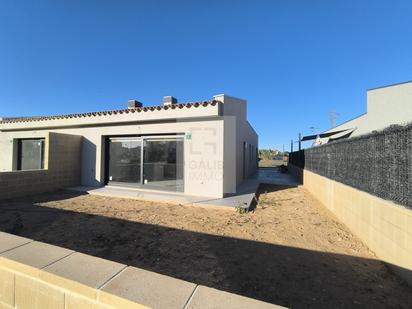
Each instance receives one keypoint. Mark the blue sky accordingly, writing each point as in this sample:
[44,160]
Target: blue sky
[294,61]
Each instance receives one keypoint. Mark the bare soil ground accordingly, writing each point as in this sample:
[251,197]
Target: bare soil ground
[289,251]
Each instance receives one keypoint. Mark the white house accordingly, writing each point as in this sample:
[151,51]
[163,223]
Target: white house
[199,148]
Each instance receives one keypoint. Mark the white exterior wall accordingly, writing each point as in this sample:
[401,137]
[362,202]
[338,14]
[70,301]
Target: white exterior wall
[229,153]
[237,108]
[390,105]
[213,156]
[385,106]
[203,171]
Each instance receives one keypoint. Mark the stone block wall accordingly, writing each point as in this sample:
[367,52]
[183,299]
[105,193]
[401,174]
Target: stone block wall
[62,169]
[385,227]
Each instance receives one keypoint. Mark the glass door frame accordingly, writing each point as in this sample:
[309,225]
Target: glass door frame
[107,158]
[142,139]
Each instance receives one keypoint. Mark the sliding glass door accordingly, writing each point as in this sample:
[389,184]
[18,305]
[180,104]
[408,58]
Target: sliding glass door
[125,160]
[151,162]
[163,164]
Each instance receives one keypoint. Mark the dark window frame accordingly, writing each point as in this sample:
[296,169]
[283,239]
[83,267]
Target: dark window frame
[20,149]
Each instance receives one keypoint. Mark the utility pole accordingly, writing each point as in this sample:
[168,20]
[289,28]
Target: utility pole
[291,145]
[332,118]
[300,141]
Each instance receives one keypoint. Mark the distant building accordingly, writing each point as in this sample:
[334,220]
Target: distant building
[387,105]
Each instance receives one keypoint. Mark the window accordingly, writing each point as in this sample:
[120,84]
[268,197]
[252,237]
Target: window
[30,154]
[244,159]
[257,157]
[250,152]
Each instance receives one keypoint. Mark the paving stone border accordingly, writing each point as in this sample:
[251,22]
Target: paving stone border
[38,275]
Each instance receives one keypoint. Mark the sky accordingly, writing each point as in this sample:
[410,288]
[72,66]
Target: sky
[295,62]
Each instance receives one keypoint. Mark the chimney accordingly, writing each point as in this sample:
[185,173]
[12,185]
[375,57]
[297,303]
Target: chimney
[134,104]
[169,100]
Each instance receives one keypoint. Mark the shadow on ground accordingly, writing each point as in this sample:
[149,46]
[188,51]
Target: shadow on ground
[278,274]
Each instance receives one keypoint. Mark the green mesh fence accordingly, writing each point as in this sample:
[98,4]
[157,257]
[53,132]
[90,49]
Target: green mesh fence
[379,163]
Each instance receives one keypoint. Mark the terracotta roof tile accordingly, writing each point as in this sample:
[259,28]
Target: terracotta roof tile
[110,112]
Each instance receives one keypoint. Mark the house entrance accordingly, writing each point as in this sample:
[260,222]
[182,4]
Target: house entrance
[152,162]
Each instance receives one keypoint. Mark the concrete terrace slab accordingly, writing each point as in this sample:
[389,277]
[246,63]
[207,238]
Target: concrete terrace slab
[242,198]
[246,192]
[9,241]
[141,194]
[148,288]
[273,176]
[166,197]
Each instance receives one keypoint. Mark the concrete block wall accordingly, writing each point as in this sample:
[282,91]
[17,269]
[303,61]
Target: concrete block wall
[296,172]
[38,275]
[62,169]
[385,227]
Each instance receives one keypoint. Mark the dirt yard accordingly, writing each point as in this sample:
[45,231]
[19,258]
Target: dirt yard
[289,251]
